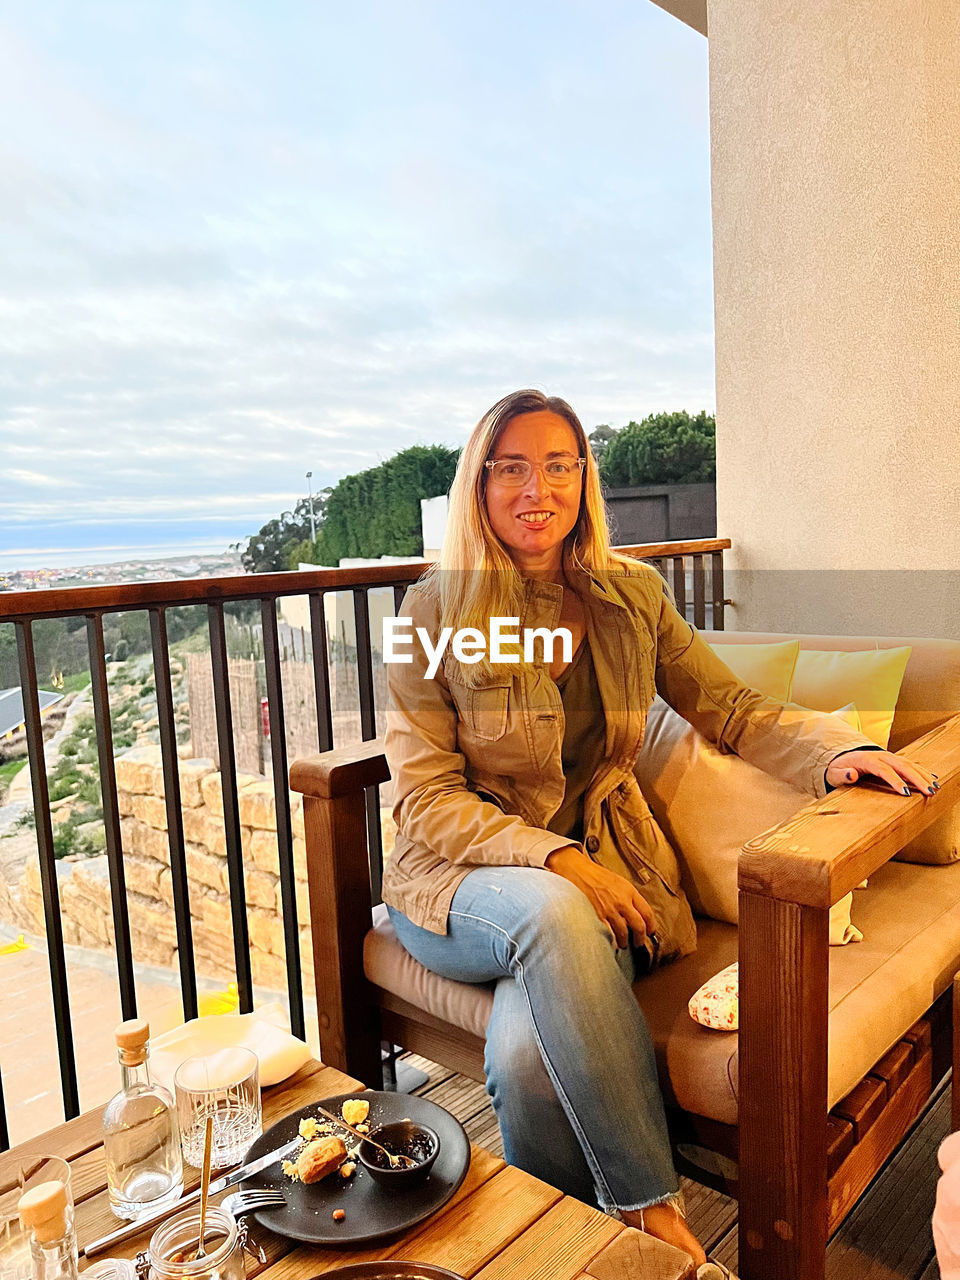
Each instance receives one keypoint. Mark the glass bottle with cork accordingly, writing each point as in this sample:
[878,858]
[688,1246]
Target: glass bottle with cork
[141,1141]
[45,1213]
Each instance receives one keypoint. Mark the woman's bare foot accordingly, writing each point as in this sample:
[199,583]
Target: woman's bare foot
[665,1222]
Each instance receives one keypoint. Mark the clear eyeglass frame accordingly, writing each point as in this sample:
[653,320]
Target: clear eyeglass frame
[565,471]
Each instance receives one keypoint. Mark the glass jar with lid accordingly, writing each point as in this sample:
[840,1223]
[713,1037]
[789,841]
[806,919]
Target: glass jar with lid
[173,1248]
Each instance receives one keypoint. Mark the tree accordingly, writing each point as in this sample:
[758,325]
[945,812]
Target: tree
[267,551]
[665,448]
[599,438]
[377,512]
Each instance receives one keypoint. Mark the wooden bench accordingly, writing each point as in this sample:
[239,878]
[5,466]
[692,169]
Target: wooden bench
[796,1162]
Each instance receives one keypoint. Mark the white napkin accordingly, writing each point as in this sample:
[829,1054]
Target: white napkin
[264,1031]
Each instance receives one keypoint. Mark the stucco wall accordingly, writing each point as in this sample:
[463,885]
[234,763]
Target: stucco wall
[836,201]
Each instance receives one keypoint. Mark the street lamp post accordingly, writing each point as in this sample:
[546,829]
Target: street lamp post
[313,521]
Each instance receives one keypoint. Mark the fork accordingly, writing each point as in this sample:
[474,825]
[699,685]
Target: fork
[240,1202]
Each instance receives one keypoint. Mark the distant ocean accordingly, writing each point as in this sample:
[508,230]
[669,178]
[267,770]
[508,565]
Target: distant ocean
[66,544]
[68,557]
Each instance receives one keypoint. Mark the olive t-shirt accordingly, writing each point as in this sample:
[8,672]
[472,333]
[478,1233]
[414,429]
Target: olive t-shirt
[584,737]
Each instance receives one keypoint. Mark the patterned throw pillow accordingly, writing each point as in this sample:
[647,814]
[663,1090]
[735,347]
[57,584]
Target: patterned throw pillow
[717,1003]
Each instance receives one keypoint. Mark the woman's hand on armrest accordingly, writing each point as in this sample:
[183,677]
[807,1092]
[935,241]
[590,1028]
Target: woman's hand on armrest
[899,774]
[615,900]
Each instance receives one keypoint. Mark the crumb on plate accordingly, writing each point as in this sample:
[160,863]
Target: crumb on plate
[348,1169]
[355,1110]
[338,1215]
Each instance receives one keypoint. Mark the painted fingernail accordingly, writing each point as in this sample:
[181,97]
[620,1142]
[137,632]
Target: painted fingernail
[930,790]
[849,775]
[934,775]
[906,791]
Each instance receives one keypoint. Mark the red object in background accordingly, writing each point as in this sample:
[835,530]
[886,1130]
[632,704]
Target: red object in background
[265,716]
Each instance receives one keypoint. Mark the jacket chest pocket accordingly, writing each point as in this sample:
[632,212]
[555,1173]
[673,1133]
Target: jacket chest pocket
[482,711]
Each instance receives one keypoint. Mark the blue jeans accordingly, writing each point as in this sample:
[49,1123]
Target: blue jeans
[569,1060]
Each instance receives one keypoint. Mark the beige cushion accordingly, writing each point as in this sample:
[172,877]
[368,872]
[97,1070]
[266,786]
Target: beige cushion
[878,988]
[387,964]
[709,805]
[910,917]
[929,694]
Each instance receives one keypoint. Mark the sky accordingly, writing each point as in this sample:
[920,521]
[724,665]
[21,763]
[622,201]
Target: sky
[241,241]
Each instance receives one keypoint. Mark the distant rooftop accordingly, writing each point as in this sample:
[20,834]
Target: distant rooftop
[11,707]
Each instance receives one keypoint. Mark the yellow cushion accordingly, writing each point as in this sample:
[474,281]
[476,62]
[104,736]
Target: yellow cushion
[849,715]
[765,667]
[871,678]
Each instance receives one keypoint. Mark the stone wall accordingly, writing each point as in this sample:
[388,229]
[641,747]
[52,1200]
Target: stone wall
[85,890]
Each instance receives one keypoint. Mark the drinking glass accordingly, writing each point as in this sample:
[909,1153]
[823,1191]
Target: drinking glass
[225,1085]
[15,1258]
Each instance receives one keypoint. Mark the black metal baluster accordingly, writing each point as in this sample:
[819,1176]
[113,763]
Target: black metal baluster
[321,670]
[361,619]
[278,752]
[699,592]
[111,815]
[368,730]
[231,805]
[4,1131]
[179,880]
[716,584]
[48,871]
[680,585]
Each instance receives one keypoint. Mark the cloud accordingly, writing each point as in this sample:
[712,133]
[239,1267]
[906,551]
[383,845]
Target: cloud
[240,245]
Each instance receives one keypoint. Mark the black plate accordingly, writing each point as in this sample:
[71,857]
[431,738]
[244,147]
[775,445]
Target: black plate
[390,1271]
[372,1211]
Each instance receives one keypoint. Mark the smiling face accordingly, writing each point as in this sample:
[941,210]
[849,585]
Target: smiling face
[532,519]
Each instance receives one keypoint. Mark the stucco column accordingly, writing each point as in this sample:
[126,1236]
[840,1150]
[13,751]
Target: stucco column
[836,207]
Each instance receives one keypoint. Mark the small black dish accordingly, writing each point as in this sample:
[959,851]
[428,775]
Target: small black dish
[403,1138]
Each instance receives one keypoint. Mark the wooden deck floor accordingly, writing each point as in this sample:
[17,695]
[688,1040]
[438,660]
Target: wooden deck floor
[885,1237]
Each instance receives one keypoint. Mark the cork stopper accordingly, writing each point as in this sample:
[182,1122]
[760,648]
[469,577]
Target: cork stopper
[131,1038]
[43,1210]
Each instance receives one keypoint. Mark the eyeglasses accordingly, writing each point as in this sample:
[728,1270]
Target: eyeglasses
[514,472]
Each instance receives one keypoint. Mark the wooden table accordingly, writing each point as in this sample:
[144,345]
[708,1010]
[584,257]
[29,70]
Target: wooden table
[502,1224]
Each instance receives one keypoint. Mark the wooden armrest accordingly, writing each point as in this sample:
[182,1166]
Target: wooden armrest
[816,857]
[338,875]
[342,771]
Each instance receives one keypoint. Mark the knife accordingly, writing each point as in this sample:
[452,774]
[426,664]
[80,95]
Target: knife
[239,1174]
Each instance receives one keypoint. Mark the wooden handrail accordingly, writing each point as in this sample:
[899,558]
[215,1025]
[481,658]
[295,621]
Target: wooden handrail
[65,601]
[658,550]
[342,771]
[826,849]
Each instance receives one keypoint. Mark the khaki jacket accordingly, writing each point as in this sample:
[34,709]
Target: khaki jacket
[477,771]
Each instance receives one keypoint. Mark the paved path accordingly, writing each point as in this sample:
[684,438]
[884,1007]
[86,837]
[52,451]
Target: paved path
[29,1061]
[20,795]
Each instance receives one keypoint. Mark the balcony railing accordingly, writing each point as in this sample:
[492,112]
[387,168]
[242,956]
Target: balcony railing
[693,569]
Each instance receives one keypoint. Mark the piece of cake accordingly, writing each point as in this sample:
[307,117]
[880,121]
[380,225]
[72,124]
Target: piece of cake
[319,1158]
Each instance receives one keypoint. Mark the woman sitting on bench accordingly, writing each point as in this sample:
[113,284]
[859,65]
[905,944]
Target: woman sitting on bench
[526,854]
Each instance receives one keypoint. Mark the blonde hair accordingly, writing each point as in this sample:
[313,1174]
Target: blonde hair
[475,579]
